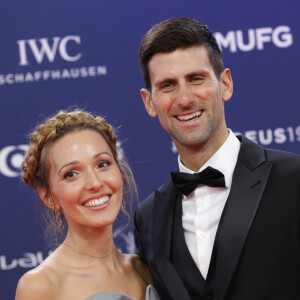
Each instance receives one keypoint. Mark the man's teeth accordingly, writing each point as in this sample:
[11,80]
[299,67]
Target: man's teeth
[189,117]
[96,202]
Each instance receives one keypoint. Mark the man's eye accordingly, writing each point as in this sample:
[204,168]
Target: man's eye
[196,79]
[166,85]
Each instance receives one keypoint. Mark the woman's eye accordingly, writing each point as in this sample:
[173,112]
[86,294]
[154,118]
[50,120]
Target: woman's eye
[70,174]
[103,164]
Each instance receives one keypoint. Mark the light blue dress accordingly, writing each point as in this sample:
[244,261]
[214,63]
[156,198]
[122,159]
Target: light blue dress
[151,294]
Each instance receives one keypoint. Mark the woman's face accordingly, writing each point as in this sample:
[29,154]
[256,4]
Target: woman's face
[85,180]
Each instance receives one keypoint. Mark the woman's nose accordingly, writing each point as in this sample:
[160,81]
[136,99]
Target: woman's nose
[93,180]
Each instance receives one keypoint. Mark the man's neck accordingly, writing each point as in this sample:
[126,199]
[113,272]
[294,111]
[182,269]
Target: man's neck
[195,157]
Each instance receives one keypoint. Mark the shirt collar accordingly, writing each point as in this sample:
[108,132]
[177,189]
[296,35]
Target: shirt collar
[223,160]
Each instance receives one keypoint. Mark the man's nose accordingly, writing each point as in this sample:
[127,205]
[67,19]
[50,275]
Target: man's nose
[184,97]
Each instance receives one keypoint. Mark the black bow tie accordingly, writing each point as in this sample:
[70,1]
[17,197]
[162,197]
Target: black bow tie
[186,182]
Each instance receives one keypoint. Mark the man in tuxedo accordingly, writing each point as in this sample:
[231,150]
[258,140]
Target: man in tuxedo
[227,225]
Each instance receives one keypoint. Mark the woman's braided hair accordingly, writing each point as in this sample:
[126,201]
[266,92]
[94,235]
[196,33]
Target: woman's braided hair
[36,167]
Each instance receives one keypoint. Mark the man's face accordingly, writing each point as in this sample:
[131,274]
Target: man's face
[187,97]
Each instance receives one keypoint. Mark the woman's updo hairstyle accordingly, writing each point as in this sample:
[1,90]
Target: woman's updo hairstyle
[36,166]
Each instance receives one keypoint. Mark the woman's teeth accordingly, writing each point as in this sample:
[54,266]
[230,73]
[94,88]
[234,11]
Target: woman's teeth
[96,202]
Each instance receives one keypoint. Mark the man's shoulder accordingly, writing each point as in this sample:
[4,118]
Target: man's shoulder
[282,155]
[271,154]
[284,161]
[148,201]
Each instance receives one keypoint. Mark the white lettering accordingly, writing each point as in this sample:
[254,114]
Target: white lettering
[297,131]
[4,266]
[46,75]
[45,49]
[173,147]
[55,74]
[29,261]
[29,77]
[2,79]
[65,74]
[41,48]
[37,75]
[9,79]
[101,70]
[290,131]
[279,136]
[19,77]
[265,140]
[251,135]
[90,71]
[256,38]
[74,73]
[22,52]
[228,40]
[39,256]
[63,48]
[263,36]
[83,72]
[286,37]
[240,41]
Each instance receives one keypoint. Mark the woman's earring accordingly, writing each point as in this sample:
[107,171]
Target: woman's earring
[58,219]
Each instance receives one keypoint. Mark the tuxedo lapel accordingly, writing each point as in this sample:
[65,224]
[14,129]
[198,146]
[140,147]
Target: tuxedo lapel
[163,215]
[249,181]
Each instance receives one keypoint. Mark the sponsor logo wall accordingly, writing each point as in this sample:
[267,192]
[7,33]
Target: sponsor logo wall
[59,55]
[35,51]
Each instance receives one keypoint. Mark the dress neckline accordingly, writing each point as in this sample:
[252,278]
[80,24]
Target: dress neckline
[151,294]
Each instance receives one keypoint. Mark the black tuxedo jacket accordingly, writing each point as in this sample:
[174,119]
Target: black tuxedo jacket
[258,239]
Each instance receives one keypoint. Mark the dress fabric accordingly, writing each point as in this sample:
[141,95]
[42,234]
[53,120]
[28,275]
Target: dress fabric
[151,294]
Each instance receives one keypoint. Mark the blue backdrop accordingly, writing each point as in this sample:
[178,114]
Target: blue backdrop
[57,54]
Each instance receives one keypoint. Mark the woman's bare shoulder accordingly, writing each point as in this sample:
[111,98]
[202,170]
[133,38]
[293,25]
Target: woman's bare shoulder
[140,267]
[39,283]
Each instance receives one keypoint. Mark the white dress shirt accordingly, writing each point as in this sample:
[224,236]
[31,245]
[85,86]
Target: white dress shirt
[202,209]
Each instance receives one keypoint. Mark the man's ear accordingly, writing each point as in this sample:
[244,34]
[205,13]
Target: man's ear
[146,95]
[227,85]
[44,195]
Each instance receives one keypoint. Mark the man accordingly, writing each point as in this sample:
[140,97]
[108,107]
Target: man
[235,234]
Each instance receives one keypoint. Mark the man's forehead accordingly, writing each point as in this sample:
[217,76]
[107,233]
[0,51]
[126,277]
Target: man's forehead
[182,61]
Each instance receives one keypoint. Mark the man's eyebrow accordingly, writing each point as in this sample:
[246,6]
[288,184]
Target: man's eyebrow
[164,80]
[196,73]
[187,76]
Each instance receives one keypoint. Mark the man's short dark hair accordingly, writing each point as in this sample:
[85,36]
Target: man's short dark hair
[175,33]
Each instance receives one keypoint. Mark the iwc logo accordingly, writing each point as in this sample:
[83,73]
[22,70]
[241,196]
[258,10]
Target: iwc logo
[42,47]
[38,52]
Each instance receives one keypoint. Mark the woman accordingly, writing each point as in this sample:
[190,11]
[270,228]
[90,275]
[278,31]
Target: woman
[73,164]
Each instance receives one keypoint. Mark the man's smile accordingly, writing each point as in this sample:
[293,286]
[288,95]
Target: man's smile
[189,117]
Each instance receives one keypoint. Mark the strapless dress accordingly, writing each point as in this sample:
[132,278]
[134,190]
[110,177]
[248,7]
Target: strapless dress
[151,294]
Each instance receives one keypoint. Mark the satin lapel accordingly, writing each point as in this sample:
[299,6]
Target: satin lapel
[249,180]
[163,213]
